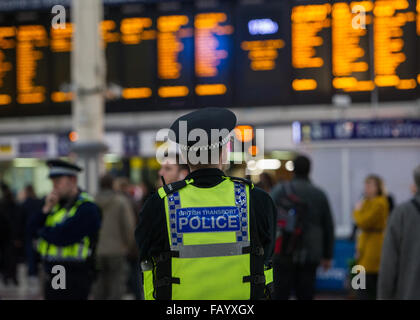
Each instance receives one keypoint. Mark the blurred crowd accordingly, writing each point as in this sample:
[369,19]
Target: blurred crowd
[117,273]
[380,245]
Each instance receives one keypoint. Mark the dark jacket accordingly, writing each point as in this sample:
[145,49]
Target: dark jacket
[399,272]
[152,234]
[318,235]
[85,222]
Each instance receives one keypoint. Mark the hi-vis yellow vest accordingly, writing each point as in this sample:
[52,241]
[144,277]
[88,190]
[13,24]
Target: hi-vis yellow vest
[209,235]
[76,252]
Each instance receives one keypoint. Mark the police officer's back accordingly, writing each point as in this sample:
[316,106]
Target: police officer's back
[69,222]
[208,236]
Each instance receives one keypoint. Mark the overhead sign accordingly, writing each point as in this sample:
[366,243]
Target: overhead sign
[356,130]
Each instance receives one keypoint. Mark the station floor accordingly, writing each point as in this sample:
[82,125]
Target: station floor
[30,289]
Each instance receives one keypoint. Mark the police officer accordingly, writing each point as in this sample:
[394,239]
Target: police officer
[208,236]
[69,222]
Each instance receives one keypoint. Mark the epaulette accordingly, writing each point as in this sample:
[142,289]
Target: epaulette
[173,187]
[242,180]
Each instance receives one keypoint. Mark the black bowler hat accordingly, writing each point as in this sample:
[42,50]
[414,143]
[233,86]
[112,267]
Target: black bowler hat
[206,119]
[62,168]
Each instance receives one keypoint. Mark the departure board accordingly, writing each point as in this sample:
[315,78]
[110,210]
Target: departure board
[351,70]
[395,49]
[240,53]
[311,51]
[61,46]
[7,63]
[32,67]
[418,47]
[138,36]
[213,40]
[111,36]
[175,57]
[262,68]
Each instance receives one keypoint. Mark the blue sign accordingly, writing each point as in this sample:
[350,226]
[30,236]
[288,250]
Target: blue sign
[33,148]
[63,145]
[131,144]
[210,219]
[337,278]
[356,130]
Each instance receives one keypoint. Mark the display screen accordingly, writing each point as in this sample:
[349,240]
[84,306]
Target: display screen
[263,72]
[213,38]
[241,53]
[351,53]
[395,49]
[7,63]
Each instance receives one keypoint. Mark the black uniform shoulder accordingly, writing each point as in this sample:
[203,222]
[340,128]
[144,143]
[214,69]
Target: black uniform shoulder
[242,180]
[259,193]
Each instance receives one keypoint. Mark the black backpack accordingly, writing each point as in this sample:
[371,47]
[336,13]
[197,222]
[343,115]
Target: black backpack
[291,212]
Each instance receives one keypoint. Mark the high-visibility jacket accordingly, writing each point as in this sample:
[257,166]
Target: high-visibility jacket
[210,245]
[76,252]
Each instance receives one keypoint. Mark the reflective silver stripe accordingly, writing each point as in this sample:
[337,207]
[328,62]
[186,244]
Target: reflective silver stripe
[212,250]
[146,265]
[242,205]
[174,203]
[80,252]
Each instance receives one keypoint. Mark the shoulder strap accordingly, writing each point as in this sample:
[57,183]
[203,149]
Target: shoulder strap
[173,187]
[241,180]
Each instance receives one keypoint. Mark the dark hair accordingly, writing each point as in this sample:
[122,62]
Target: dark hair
[106,182]
[302,166]
[380,187]
[7,193]
[211,157]
[29,190]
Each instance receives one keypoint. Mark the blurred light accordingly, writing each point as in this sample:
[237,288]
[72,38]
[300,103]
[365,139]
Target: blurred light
[296,132]
[252,165]
[73,136]
[244,133]
[136,163]
[282,155]
[268,164]
[111,158]
[236,156]
[173,91]
[304,84]
[210,89]
[136,93]
[289,166]
[262,26]
[25,162]
[253,150]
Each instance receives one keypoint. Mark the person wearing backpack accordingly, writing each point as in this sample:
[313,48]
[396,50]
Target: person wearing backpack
[399,272]
[305,234]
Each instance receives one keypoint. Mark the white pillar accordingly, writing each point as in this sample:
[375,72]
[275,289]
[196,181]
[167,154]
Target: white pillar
[88,78]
